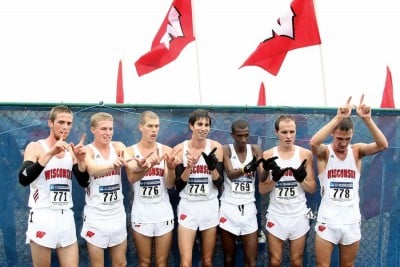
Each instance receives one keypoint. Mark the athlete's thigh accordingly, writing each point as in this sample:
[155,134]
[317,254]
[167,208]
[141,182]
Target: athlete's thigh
[162,246]
[186,239]
[41,256]
[250,246]
[68,256]
[118,254]
[323,251]
[228,242]
[96,255]
[208,241]
[348,253]
[275,246]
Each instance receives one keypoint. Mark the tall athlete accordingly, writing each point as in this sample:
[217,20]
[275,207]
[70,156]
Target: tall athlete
[238,211]
[290,177]
[339,166]
[47,168]
[152,216]
[198,179]
[104,224]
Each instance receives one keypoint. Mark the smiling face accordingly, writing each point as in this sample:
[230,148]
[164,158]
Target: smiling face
[201,128]
[102,127]
[103,132]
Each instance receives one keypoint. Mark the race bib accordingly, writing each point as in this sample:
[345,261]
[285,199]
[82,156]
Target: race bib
[286,191]
[243,187]
[60,195]
[110,193]
[341,193]
[150,190]
[198,188]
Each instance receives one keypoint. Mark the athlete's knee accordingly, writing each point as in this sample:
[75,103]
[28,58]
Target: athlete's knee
[161,261]
[206,262]
[185,263]
[122,264]
[145,263]
[251,263]
[297,261]
[229,261]
[274,261]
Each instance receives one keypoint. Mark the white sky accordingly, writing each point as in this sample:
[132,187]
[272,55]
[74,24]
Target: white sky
[68,51]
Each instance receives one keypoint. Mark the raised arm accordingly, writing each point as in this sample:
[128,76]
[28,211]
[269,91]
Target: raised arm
[316,142]
[381,143]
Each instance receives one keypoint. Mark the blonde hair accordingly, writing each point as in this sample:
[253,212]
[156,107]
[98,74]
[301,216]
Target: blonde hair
[147,115]
[100,116]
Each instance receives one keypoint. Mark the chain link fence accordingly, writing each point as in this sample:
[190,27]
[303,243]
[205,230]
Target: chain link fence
[22,123]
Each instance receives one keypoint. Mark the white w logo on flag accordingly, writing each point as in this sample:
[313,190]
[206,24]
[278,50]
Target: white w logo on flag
[174,27]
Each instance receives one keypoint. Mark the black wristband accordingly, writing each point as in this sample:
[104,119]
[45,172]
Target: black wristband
[219,182]
[81,177]
[28,172]
[179,169]
[179,184]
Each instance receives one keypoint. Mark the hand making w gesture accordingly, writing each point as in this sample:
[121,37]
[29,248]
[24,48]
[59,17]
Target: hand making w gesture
[362,109]
[345,110]
[79,150]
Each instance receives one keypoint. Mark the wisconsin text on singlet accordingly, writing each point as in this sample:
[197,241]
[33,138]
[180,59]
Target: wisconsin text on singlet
[156,172]
[111,173]
[58,173]
[341,173]
[200,169]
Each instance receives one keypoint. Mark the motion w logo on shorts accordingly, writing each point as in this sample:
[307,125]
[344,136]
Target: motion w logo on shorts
[321,228]
[270,224]
[40,234]
[89,234]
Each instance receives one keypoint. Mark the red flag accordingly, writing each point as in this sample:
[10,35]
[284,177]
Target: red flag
[295,29]
[175,33]
[261,96]
[120,87]
[387,96]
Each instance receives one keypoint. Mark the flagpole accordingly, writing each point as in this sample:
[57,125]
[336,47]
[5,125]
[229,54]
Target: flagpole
[322,62]
[196,51]
[323,77]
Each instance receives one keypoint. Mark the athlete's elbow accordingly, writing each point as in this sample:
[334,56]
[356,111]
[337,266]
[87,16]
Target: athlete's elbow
[23,180]
[384,145]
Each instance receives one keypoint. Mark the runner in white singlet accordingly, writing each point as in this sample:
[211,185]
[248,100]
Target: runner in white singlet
[287,212]
[104,223]
[48,167]
[238,212]
[199,180]
[339,165]
[152,216]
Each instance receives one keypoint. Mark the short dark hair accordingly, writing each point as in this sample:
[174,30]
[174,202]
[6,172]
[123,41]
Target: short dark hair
[58,110]
[199,114]
[283,118]
[239,124]
[345,125]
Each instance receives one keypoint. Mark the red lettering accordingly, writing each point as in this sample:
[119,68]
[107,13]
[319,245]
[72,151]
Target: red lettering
[111,173]
[341,173]
[156,172]
[58,173]
[200,169]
